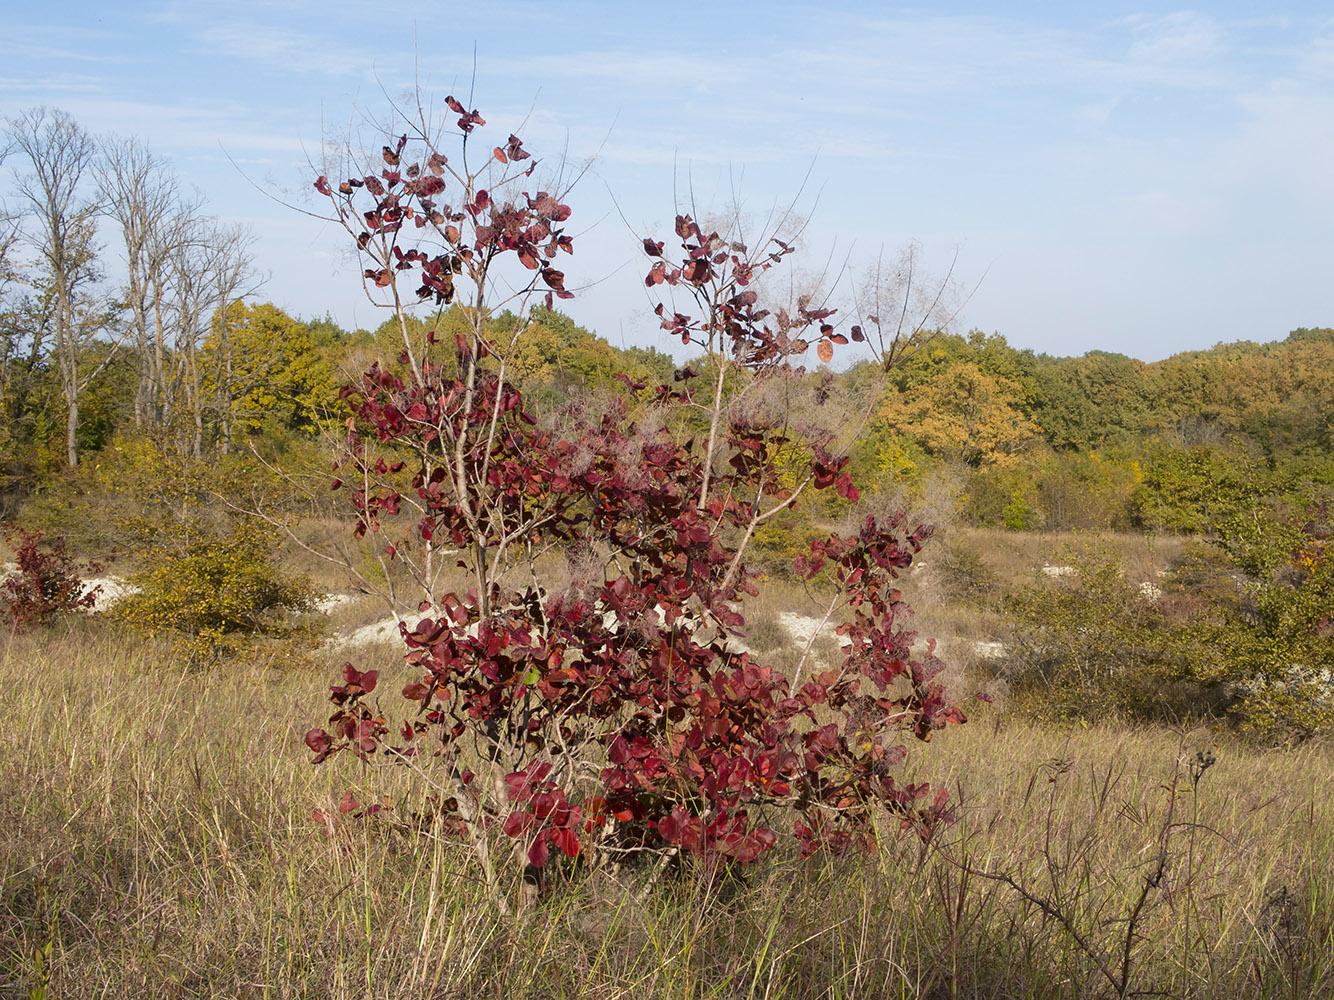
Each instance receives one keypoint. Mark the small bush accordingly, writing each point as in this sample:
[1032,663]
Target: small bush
[1017,515]
[601,714]
[1277,641]
[965,575]
[1095,644]
[777,545]
[220,592]
[46,582]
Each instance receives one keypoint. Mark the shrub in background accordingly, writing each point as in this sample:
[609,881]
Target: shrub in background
[778,543]
[964,575]
[1191,489]
[1091,643]
[45,583]
[1003,496]
[1276,643]
[1084,491]
[1017,514]
[216,594]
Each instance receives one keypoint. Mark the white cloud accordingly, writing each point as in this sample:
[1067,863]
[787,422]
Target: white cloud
[1318,59]
[284,49]
[1182,37]
[52,89]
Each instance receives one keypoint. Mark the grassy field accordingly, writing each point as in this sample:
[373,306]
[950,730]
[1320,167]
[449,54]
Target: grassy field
[157,838]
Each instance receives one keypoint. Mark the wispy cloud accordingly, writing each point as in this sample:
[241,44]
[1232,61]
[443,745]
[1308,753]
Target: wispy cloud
[1317,60]
[287,50]
[1173,39]
[1108,157]
[52,89]
[15,48]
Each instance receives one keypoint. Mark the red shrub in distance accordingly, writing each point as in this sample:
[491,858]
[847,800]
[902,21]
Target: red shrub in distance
[45,582]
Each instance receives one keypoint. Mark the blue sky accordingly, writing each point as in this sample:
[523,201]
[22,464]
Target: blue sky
[1135,178]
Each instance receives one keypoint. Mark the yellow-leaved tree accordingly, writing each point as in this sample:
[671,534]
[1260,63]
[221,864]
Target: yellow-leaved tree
[266,373]
[963,414]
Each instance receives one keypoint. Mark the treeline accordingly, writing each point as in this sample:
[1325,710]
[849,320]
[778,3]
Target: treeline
[177,351]
[266,379]
[1030,442]
[126,308]
[1103,440]
[80,208]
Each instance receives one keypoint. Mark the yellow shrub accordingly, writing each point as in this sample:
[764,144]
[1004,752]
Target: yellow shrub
[218,594]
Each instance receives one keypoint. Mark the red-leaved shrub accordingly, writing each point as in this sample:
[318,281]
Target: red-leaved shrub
[614,713]
[45,583]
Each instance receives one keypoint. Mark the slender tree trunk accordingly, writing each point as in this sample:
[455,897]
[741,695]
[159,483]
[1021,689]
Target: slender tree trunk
[196,400]
[67,344]
[159,386]
[71,432]
[224,390]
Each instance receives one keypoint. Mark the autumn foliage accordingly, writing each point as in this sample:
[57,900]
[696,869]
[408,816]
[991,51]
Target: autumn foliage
[45,582]
[617,712]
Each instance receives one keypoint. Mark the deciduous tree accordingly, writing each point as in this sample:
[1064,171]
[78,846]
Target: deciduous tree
[141,195]
[59,156]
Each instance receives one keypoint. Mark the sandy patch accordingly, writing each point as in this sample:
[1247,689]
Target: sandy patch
[376,633]
[113,588]
[331,602]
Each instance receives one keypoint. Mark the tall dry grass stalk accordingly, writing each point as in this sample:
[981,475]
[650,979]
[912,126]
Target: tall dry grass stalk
[157,838]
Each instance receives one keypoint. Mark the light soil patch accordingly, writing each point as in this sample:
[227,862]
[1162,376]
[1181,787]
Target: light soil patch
[803,630]
[110,589]
[331,602]
[376,633]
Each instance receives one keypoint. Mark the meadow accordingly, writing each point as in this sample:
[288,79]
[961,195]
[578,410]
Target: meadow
[165,835]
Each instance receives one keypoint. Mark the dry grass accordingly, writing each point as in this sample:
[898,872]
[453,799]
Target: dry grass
[158,840]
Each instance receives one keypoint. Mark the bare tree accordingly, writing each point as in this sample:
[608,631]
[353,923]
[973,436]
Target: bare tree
[211,267]
[902,307]
[13,333]
[141,194]
[11,227]
[63,235]
[191,302]
[234,278]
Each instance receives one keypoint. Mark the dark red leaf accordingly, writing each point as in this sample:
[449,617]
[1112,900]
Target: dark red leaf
[566,840]
[517,823]
[537,853]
